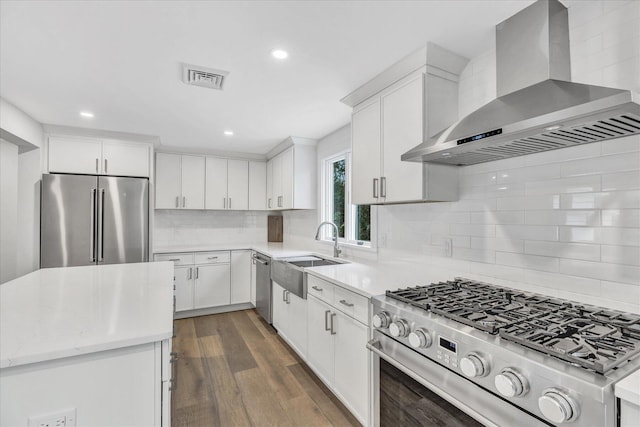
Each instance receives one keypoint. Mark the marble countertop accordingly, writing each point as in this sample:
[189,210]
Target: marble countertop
[61,312]
[629,388]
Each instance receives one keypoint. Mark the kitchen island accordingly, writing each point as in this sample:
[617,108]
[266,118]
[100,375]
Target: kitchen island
[90,344]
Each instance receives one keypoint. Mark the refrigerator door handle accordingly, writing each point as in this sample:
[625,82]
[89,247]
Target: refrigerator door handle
[101,226]
[92,234]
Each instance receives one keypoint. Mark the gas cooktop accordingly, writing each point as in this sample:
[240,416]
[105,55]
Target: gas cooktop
[592,337]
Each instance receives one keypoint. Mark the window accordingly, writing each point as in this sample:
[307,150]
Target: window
[354,222]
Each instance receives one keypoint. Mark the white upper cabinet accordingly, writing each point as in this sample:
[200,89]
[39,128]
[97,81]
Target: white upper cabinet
[179,181]
[227,184]
[397,110]
[98,157]
[257,186]
[291,178]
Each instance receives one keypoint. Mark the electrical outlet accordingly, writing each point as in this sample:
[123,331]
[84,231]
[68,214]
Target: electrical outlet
[66,418]
[448,247]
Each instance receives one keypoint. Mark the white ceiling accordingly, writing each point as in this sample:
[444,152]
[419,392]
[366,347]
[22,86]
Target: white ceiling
[121,60]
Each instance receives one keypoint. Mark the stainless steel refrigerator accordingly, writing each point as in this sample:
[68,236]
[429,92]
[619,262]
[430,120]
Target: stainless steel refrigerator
[86,219]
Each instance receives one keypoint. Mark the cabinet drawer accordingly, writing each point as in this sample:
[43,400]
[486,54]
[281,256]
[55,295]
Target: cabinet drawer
[320,288]
[351,303]
[217,257]
[178,259]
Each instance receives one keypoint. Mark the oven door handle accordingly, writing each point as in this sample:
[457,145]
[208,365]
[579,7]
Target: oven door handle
[375,347]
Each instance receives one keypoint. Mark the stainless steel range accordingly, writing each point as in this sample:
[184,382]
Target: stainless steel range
[507,357]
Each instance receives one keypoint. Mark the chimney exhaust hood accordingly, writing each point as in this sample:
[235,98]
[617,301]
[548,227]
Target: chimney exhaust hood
[538,108]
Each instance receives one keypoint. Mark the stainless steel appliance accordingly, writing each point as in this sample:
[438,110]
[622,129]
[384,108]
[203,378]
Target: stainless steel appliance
[290,272]
[89,219]
[538,108]
[506,357]
[263,285]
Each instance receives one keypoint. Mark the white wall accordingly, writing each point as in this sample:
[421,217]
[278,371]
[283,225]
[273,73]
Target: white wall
[196,228]
[24,254]
[8,210]
[564,222]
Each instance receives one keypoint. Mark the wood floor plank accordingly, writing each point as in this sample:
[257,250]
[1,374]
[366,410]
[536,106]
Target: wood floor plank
[231,410]
[206,325]
[192,385]
[185,328]
[238,355]
[330,406]
[250,332]
[262,405]
[210,346]
[264,328]
[304,412]
[198,415]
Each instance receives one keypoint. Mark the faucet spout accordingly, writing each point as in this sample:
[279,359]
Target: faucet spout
[336,250]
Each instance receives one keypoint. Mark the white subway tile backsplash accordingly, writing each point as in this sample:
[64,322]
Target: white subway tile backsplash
[527,232]
[601,270]
[563,217]
[496,244]
[580,234]
[620,236]
[621,218]
[621,181]
[568,284]
[565,154]
[621,145]
[583,251]
[534,262]
[498,217]
[472,230]
[529,202]
[605,200]
[621,254]
[579,184]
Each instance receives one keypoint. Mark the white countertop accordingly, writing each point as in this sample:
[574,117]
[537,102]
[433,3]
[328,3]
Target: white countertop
[61,312]
[629,388]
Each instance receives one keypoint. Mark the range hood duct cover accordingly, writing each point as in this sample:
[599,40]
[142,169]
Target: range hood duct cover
[538,108]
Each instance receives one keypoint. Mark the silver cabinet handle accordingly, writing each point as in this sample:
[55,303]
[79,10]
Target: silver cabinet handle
[97,164]
[344,301]
[174,371]
[279,201]
[317,288]
[197,272]
[383,187]
[177,201]
[269,203]
[375,188]
[229,202]
[224,203]
[284,295]
[190,273]
[105,165]
[288,300]
[326,320]
[184,201]
[101,225]
[333,315]
[212,257]
[92,235]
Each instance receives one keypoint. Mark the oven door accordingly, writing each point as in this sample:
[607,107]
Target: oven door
[434,397]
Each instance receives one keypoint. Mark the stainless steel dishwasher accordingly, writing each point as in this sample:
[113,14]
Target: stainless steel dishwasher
[263,285]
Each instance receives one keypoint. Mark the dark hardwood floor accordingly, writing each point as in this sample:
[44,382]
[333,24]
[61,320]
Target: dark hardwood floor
[234,370]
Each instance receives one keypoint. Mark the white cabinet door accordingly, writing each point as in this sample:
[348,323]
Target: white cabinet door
[238,185]
[320,341]
[193,177]
[365,148]
[216,188]
[270,193]
[280,309]
[212,285]
[277,182]
[75,155]
[351,379]
[184,288]
[287,179]
[125,159]
[402,129]
[240,276]
[257,186]
[298,323]
[168,181]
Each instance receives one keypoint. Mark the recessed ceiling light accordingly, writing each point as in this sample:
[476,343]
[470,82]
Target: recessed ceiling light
[550,128]
[86,114]
[446,154]
[279,54]
[228,132]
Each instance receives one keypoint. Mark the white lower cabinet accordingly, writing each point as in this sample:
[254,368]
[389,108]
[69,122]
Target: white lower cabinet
[210,279]
[337,338]
[290,318]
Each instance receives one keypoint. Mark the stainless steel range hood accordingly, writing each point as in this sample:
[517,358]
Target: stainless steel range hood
[538,108]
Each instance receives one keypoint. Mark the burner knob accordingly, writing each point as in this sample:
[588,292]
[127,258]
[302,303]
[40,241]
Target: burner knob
[420,338]
[381,320]
[557,406]
[511,383]
[473,365]
[399,328]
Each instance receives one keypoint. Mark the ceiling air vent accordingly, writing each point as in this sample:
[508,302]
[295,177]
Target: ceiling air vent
[204,77]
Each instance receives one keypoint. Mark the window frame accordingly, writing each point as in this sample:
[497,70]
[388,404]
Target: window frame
[326,203]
